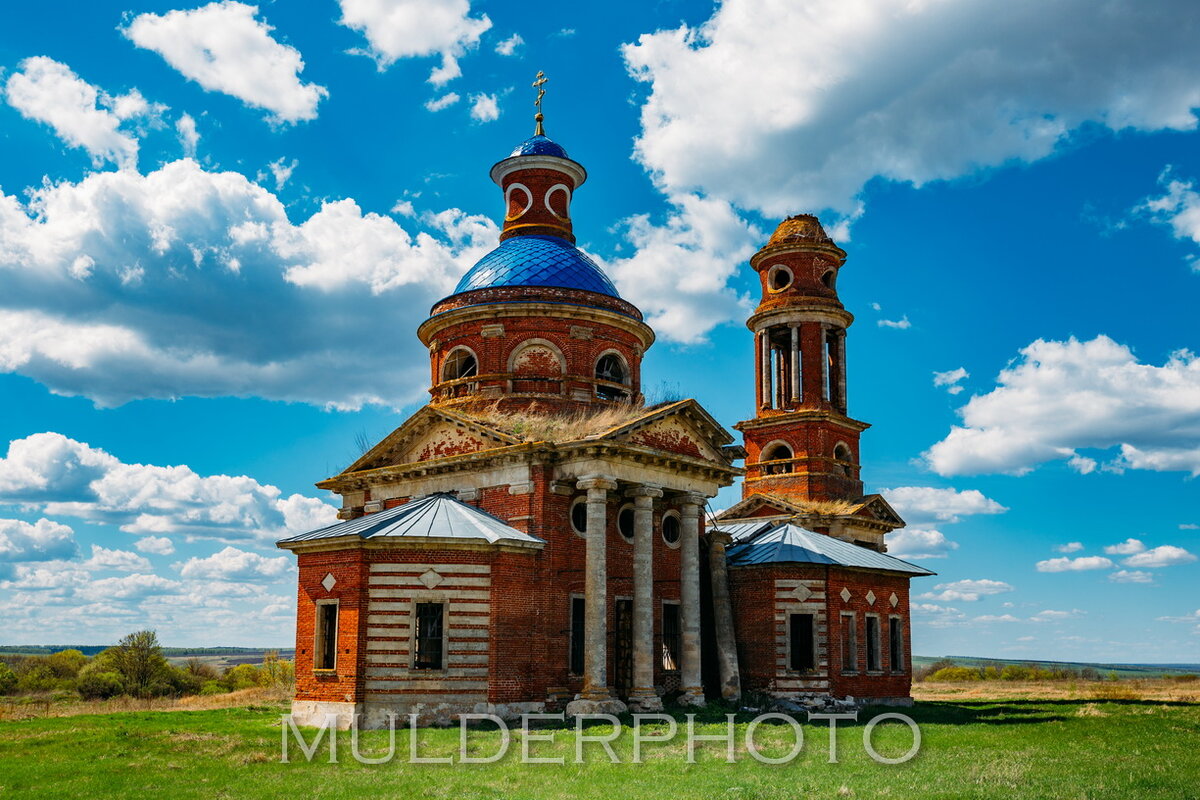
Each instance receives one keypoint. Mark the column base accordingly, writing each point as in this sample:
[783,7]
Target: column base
[645,701]
[584,707]
[693,697]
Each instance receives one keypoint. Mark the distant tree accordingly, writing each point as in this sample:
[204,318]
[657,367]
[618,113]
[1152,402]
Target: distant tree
[1089,674]
[201,669]
[243,676]
[96,683]
[8,679]
[66,663]
[277,673]
[956,675]
[139,661]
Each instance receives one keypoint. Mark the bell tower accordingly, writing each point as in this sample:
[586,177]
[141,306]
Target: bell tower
[801,444]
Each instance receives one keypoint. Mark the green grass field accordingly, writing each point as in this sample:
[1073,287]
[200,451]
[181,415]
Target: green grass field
[1025,748]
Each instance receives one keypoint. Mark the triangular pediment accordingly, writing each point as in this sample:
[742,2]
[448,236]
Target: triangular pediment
[875,507]
[683,428]
[429,434]
[761,505]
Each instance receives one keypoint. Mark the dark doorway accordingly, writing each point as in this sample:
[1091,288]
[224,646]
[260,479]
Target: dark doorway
[623,651]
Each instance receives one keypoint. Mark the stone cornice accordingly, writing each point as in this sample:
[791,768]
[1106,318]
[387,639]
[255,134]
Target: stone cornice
[803,415]
[353,542]
[502,169]
[490,312]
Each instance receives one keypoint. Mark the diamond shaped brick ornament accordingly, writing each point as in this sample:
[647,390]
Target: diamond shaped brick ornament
[329,582]
[430,578]
[845,595]
[870,597]
[895,601]
[802,593]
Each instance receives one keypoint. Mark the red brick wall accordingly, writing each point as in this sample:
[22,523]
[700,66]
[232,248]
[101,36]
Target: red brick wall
[753,594]
[815,476]
[349,570]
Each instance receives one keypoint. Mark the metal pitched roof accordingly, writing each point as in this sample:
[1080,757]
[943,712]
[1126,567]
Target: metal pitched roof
[439,516]
[789,543]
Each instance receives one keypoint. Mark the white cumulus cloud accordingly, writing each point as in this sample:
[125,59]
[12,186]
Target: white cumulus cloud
[508,47]
[156,545]
[225,48]
[44,540]
[951,379]
[119,560]
[1058,397]
[918,543]
[80,114]
[1178,207]
[909,92]
[1069,547]
[443,102]
[189,137]
[679,274]
[232,564]
[1065,564]
[1125,548]
[397,29]
[189,282]
[1163,556]
[924,504]
[484,107]
[967,590]
[70,478]
[1131,576]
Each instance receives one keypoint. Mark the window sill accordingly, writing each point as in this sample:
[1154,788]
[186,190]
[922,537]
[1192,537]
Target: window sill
[878,672]
[325,673]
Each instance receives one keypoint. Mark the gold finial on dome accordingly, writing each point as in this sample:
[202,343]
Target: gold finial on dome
[541,81]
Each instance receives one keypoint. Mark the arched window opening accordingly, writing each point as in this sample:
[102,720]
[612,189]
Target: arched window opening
[779,456]
[460,363]
[610,368]
[829,278]
[841,454]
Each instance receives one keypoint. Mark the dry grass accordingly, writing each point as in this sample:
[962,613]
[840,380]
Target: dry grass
[829,507]
[533,425]
[33,708]
[1141,689]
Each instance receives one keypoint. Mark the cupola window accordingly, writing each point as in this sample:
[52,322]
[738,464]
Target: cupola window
[611,370]
[779,278]
[460,363]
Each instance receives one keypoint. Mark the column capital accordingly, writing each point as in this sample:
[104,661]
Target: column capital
[596,482]
[716,536]
[644,491]
[693,499]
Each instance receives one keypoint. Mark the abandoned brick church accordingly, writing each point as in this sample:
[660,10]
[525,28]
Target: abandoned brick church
[538,538]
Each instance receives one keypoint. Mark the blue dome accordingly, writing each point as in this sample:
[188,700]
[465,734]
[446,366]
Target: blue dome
[538,145]
[537,261]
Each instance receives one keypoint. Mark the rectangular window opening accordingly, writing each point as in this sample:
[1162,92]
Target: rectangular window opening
[671,641]
[577,612]
[896,643]
[802,656]
[849,643]
[325,651]
[873,651]
[430,638]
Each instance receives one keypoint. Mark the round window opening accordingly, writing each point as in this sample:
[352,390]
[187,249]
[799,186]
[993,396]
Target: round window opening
[779,278]
[579,516]
[625,522]
[670,529]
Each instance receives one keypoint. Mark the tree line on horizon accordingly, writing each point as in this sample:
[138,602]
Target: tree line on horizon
[135,667]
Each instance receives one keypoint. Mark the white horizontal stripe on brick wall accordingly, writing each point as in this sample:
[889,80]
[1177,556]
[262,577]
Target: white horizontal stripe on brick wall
[414,685]
[407,594]
[441,569]
[407,674]
[409,699]
[376,606]
[414,581]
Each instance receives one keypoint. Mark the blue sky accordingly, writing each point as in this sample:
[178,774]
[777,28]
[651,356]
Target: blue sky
[221,224]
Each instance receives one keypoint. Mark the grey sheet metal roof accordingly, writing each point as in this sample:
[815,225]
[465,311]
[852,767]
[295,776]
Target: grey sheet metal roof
[789,543]
[742,531]
[438,516]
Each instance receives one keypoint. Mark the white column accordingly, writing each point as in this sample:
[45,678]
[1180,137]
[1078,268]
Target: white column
[767,378]
[825,387]
[595,608]
[727,660]
[643,697]
[689,599]
[795,363]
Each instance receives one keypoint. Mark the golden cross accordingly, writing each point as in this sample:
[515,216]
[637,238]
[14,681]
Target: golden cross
[541,81]
[538,84]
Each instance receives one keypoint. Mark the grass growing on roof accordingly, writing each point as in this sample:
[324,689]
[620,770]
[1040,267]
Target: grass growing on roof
[535,425]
